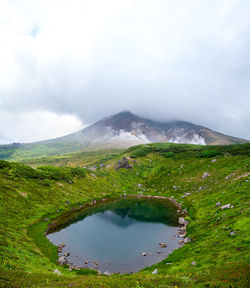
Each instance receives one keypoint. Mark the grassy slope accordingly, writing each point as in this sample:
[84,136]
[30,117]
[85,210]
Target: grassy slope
[87,159]
[27,196]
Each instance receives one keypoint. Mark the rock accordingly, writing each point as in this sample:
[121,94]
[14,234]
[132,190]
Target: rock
[139,185]
[163,245]
[66,254]
[214,160]
[227,206]
[107,273]
[169,263]
[181,235]
[143,254]
[70,269]
[123,163]
[158,251]
[229,176]
[186,240]
[232,233]
[217,204]
[202,187]
[62,260]
[86,261]
[46,219]
[182,221]
[193,263]
[56,271]
[205,175]
[155,271]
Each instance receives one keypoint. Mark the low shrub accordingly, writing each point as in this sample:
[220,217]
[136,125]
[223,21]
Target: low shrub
[169,154]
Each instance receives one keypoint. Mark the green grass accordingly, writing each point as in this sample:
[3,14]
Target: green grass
[28,196]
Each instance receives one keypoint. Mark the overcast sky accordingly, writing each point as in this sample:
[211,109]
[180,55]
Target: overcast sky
[65,64]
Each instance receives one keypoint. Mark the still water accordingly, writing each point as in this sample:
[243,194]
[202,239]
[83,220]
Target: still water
[117,233]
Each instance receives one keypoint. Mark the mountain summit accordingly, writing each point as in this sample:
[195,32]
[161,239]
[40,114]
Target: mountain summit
[121,130]
[126,129]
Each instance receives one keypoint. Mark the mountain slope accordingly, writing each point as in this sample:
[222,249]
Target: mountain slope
[120,131]
[219,247]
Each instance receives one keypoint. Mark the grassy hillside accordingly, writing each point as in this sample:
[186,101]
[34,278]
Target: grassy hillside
[29,197]
[44,150]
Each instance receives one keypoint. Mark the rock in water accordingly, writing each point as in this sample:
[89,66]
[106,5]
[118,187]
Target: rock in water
[163,245]
[62,260]
[182,221]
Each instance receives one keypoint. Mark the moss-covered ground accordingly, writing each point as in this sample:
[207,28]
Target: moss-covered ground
[29,197]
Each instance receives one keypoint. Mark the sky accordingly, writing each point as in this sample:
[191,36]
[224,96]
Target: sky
[66,64]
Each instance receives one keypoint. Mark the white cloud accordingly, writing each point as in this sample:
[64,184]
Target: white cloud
[163,59]
[36,126]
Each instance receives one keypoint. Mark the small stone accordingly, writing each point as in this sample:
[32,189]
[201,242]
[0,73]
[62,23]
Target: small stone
[182,221]
[193,263]
[186,240]
[139,186]
[107,273]
[155,271]
[70,269]
[143,254]
[229,176]
[86,261]
[163,245]
[217,204]
[205,175]
[56,271]
[227,206]
[66,254]
[62,260]
[158,251]
[214,160]
[232,233]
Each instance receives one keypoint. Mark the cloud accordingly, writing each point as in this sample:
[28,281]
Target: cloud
[36,126]
[162,59]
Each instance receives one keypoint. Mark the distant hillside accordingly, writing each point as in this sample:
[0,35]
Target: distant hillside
[119,131]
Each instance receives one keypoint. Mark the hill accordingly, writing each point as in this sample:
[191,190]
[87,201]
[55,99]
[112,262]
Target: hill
[219,247]
[119,131]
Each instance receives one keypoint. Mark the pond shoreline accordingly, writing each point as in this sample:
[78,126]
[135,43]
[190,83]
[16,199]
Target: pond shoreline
[181,232]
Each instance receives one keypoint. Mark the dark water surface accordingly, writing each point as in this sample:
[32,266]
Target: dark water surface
[115,234]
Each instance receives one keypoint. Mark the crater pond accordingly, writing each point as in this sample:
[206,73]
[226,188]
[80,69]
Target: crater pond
[114,235]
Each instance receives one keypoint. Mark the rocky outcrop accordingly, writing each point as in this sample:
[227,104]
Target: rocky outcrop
[123,163]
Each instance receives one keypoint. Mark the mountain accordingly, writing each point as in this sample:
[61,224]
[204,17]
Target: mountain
[120,131]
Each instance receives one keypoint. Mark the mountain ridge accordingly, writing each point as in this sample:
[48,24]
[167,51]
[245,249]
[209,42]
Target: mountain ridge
[121,130]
